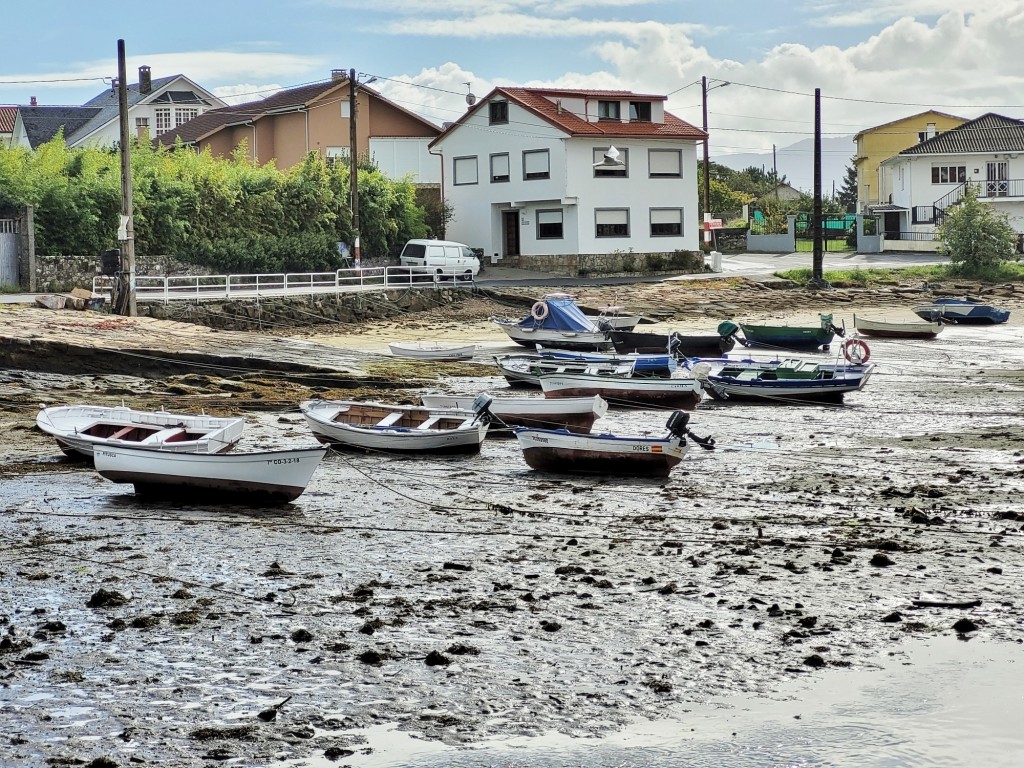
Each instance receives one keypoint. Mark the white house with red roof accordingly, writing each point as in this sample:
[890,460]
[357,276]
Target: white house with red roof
[532,172]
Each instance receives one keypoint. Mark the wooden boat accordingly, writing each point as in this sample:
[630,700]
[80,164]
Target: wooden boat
[260,477]
[429,350]
[790,336]
[612,318]
[555,321]
[577,414]
[677,344]
[561,451]
[623,388]
[525,370]
[78,429]
[962,310]
[898,329]
[398,428]
[775,380]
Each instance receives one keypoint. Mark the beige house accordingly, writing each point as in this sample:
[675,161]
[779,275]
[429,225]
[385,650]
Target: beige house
[884,141]
[288,124]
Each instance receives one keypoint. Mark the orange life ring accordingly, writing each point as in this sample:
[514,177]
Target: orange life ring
[856,351]
[539,310]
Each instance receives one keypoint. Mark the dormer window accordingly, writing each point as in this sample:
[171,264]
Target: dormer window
[608,110]
[498,112]
[640,111]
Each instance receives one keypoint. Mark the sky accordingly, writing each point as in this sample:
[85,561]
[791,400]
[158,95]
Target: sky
[873,60]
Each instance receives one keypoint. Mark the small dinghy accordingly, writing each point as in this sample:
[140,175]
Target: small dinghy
[398,428]
[555,321]
[577,414]
[625,386]
[962,310]
[430,350]
[898,329]
[78,429]
[797,337]
[260,477]
[561,451]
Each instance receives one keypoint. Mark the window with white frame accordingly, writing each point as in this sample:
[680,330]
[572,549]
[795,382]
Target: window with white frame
[142,128]
[182,116]
[949,174]
[549,224]
[640,111]
[666,222]
[465,170]
[618,170]
[611,222]
[536,164]
[608,110]
[499,168]
[335,156]
[163,120]
[665,163]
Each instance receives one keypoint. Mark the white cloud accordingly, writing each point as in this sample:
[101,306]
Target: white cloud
[505,25]
[874,12]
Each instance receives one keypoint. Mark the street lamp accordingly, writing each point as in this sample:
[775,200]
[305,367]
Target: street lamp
[353,180]
[707,170]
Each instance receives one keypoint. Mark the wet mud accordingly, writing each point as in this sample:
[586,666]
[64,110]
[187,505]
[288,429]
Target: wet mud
[471,597]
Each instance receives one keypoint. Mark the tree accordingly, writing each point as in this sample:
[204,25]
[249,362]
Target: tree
[976,237]
[847,196]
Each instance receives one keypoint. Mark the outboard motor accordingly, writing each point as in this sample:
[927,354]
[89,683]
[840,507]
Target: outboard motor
[481,407]
[677,425]
[727,329]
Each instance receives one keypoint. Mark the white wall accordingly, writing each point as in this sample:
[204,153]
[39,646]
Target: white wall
[398,156]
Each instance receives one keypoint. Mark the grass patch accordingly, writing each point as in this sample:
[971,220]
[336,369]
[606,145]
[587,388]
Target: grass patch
[880,277]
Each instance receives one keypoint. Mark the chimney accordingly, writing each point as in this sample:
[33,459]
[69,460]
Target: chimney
[145,80]
[33,102]
[930,131]
[337,75]
[558,105]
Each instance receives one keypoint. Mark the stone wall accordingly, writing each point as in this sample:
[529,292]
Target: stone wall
[609,264]
[55,274]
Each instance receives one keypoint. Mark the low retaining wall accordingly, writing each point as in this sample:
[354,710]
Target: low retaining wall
[59,274]
[609,264]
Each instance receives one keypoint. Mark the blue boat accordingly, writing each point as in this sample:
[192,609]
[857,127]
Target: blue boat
[962,310]
[556,321]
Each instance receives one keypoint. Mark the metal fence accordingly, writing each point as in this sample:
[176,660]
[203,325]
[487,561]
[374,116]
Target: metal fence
[194,287]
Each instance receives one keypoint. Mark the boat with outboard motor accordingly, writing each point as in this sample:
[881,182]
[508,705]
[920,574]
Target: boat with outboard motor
[577,414]
[795,337]
[962,310]
[675,343]
[555,321]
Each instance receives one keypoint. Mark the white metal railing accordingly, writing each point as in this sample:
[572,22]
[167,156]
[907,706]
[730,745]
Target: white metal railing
[188,287]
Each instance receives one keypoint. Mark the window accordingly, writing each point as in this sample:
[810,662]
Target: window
[182,116]
[536,164]
[620,169]
[163,120]
[640,111]
[949,174]
[665,163]
[142,128]
[498,112]
[465,170]
[612,222]
[336,155]
[549,225]
[666,222]
[607,110]
[499,168]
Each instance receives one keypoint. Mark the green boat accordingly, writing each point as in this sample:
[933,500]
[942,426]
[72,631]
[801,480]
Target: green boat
[790,336]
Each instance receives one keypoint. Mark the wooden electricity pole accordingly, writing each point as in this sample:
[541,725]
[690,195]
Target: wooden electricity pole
[127,230]
[817,265]
[354,162]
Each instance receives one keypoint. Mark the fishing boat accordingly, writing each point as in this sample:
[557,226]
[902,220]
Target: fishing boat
[796,337]
[259,477]
[555,321]
[898,329]
[623,387]
[782,380]
[398,428]
[962,310]
[78,429]
[430,350]
[562,451]
[613,318]
[525,370]
[677,344]
[577,414]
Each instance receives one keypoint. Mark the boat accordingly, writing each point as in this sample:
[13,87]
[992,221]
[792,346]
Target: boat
[555,321]
[258,477]
[612,318]
[577,414]
[559,450]
[787,379]
[78,429]
[624,387]
[677,344]
[898,329]
[962,310]
[429,350]
[795,337]
[398,428]
[524,370]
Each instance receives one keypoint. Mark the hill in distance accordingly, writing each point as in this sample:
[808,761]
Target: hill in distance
[796,162]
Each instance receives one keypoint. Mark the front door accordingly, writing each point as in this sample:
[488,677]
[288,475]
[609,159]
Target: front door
[510,226]
[997,177]
[9,253]
[892,225]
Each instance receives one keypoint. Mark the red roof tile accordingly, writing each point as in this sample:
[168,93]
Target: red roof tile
[7,115]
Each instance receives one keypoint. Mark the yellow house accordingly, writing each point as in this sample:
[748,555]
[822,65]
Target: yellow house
[883,141]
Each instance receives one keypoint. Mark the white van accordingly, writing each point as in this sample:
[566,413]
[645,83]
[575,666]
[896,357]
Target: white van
[443,257]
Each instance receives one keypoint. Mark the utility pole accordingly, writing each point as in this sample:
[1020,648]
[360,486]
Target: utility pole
[817,278]
[775,165]
[707,169]
[354,162]
[127,230]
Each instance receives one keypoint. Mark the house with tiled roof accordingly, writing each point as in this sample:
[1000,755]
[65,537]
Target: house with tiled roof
[7,115]
[929,178]
[154,106]
[288,124]
[533,172]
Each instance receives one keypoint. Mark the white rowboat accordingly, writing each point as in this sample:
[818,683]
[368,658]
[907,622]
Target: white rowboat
[428,350]
[903,329]
[576,414]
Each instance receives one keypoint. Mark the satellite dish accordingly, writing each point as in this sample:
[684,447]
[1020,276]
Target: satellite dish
[470,98]
[610,159]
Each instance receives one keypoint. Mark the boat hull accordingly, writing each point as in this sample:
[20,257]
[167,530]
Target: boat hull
[549,451]
[577,414]
[625,391]
[586,341]
[963,312]
[662,343]
[264,477]
[769,383]
[897,330]
[784,337]
[430,352]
